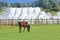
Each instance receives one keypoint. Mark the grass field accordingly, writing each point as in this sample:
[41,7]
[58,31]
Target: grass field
[38,32]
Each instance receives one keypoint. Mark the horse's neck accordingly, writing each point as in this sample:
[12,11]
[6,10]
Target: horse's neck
[24,22]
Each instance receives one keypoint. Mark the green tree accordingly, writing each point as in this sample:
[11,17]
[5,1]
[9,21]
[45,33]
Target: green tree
[59,3]
[52,4]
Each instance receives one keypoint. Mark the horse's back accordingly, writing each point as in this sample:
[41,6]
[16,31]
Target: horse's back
[23,23]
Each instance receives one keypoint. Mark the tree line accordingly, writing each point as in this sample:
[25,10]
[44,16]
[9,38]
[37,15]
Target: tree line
[51,5]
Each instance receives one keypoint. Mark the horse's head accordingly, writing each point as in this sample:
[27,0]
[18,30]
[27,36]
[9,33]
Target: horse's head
[28,28]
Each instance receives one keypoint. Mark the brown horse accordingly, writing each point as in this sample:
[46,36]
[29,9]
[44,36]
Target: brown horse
[25,25]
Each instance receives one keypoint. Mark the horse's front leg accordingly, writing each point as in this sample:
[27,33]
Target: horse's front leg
[20,29]
[24,29]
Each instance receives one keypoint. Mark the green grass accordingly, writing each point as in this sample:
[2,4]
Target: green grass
[38,32]
[0,11]
[53,13]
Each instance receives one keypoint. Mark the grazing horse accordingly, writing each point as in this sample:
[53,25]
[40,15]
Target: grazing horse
[25,25]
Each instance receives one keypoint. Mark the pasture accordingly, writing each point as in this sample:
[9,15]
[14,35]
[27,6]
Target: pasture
[38,32]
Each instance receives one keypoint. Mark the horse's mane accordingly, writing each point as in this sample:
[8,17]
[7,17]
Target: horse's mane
[23,22]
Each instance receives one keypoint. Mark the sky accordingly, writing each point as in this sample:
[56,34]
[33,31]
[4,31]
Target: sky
[19,1]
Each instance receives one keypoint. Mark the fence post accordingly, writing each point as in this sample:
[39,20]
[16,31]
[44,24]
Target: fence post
[0,21]
[53,21]
[57,21]
[12,22]
[46,21]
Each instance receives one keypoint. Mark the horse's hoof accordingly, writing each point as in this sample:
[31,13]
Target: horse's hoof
[23,31]
[19,32]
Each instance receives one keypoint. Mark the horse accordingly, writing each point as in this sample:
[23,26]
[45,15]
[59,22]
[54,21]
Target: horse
[24,24]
